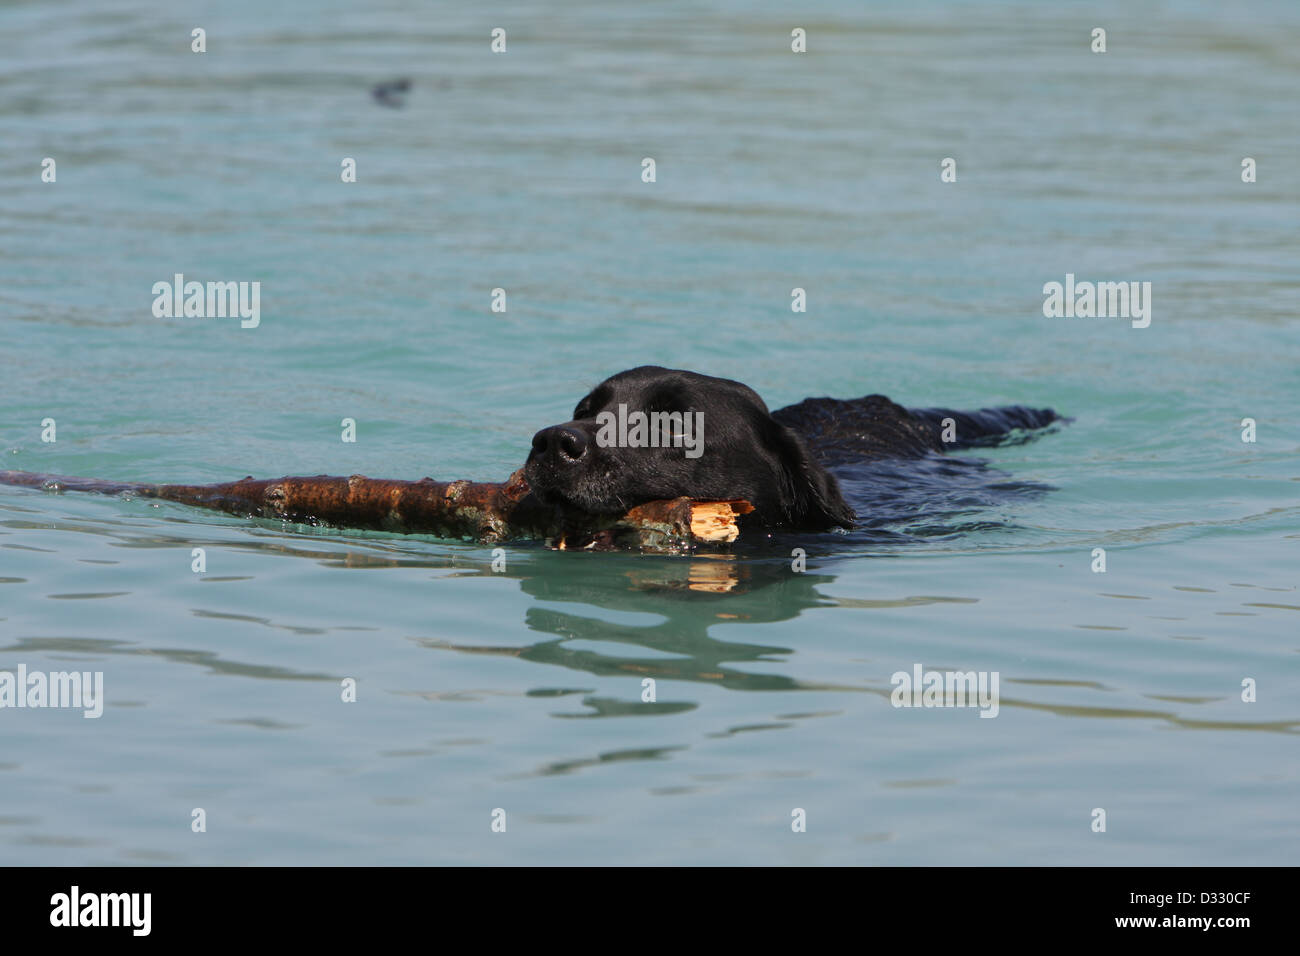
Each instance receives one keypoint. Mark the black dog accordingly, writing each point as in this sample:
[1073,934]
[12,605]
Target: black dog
[651,433]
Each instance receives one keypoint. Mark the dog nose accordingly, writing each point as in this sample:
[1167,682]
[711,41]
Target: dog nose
[566,444]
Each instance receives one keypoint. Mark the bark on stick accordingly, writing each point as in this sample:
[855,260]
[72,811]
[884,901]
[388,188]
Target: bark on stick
[483,511]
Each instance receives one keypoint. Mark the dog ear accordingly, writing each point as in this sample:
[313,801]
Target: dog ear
[810,495]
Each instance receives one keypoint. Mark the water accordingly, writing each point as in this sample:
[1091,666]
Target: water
[522,690]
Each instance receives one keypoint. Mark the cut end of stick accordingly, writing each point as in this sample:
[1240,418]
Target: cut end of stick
[715,521]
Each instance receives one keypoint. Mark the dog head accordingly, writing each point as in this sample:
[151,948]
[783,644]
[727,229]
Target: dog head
[651,433]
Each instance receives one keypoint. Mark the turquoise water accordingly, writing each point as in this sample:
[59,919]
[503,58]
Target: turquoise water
[521,689]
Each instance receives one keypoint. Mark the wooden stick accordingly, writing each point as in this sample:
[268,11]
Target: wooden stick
[482,511]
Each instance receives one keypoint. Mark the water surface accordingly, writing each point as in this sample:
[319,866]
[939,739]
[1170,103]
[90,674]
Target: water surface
[521,690]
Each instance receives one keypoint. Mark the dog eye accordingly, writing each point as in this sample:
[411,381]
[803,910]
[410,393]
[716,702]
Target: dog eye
[593,400]
[668,402]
